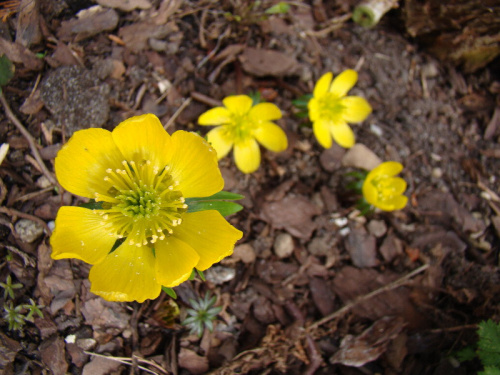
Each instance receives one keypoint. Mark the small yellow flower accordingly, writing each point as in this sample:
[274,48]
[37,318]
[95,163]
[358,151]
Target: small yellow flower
[383,190]
[330,109]
[141,175]
[242,126]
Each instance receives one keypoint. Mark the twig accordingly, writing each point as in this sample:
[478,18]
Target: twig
[181,108]
[128,361]
[336,23]
[13,212]
[12,117]
[395,284]
[205,99]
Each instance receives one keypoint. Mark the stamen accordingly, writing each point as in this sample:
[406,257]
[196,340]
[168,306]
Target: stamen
[142,203]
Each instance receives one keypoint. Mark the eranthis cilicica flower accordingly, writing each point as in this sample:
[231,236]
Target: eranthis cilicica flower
[382,189]
[243,126]
[141,176]
[330,110]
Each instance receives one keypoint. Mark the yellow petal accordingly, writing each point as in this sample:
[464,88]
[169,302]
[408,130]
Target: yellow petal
[219,141]
[313,108]
[343,134]
[356,109]
[344,82]
[127,274]
[80,235]
[265,112]
[370,193]
[399,185]
[238,104]
[175,261]
[81,163]
[209,234]
[142,138]
[247,155]
[396,202]
[323,84]
[194,165]
[271,136]
[321,130]
[388,168]
[215,116]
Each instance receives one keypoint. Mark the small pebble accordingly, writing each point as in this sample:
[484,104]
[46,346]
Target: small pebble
[28,230]
[283,245]
[377,228]
[245,253]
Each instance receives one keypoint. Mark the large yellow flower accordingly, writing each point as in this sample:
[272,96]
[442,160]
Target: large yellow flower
[242,125]
[382,189]
[330,109]
[141,175]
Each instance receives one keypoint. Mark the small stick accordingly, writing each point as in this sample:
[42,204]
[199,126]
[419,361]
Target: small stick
[179,110]
[12,117]
[128,361]
[395,284]
[13,212]
[205,99]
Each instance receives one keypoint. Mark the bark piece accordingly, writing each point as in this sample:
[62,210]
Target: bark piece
[263,62]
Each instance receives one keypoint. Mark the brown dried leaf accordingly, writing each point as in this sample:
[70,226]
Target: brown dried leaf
[136,36]
[32,105]
[368,346]
[441,208]
[28,24]
[90,22]
[362,248]
[101,366]
[104,315]
[192,362]
[8,350]
[53,355]
[351,283]
[20,54]
[262,62]
[294,214]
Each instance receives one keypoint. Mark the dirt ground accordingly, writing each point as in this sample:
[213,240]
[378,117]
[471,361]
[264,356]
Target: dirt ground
[313,287]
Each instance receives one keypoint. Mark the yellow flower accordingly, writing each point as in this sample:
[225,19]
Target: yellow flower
[382,189]
[330,109]
[242,126]
[141,175]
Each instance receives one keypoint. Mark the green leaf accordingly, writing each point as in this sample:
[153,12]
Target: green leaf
[256,97]
[169,291]
[223,195]
[92,205]
[6,70]
[215,202]
[303,101]
[466,354]
[224,208]
[280,8]
[489,343]
[490,371]
[200,273]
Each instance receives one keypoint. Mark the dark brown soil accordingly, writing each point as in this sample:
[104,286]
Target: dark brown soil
[313,287]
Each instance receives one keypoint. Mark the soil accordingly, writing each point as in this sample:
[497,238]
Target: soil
[314,287]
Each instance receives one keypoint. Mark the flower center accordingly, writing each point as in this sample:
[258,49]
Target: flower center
[240,128]
[141,203]
[385,188]
[329,106]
